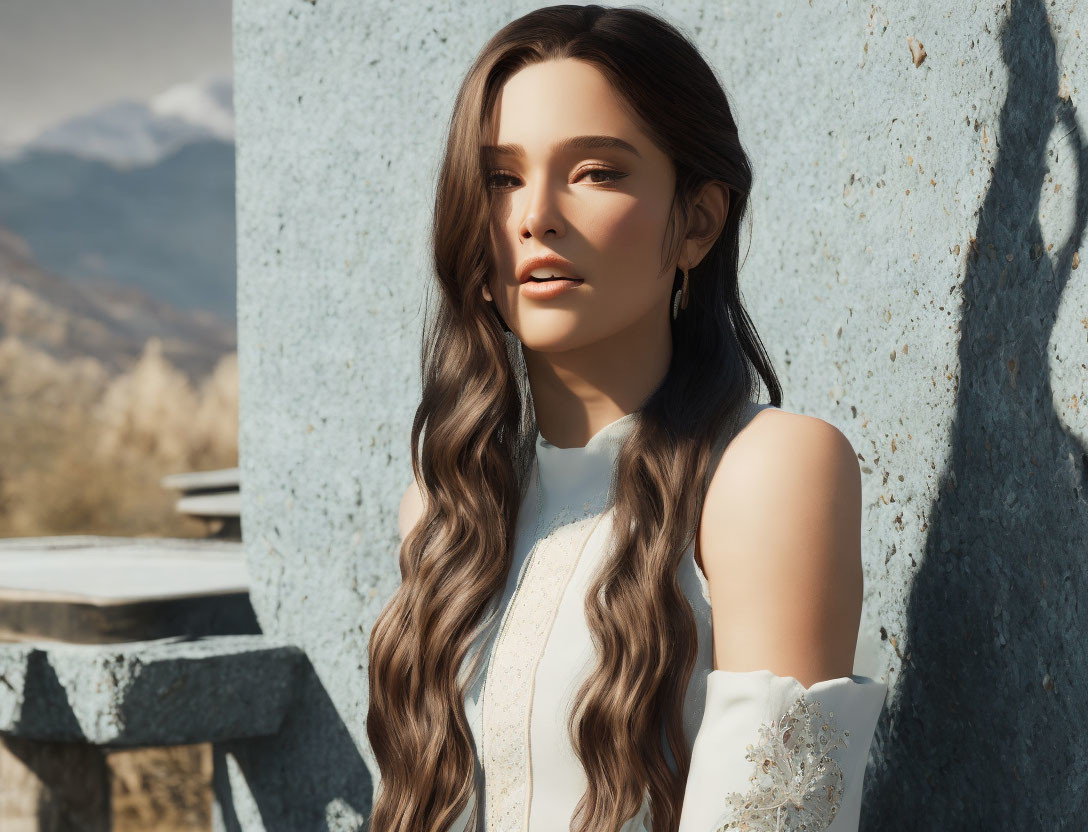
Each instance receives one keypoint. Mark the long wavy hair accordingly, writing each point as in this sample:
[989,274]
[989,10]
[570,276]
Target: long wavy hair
[479,440]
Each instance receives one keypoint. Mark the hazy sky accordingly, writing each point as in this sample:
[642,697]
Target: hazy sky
[60,57]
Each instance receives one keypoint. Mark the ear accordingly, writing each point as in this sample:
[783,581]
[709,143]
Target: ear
[487,293]
[709,212]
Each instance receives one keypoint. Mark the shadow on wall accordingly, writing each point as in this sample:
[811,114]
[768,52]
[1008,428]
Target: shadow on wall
[276,784]
[984,731]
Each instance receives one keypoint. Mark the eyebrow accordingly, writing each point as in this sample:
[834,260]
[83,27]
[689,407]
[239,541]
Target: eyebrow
[570,143]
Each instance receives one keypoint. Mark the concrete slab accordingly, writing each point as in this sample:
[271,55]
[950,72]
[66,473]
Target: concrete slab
[92,589]
[107,570]
[222,504]
[203,480]
[165,692]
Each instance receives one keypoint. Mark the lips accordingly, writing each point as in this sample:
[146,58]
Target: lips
[542,290]
[559,266]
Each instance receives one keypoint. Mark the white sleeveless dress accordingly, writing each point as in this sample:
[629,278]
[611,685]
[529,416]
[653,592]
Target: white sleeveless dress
[535,651]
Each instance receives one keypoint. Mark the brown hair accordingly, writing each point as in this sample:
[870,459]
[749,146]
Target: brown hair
[479,443]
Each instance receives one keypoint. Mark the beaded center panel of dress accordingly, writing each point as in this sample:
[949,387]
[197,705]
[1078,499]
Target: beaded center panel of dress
[507,702]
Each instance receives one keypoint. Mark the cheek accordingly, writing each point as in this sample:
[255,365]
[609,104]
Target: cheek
[628,241]
[503,248]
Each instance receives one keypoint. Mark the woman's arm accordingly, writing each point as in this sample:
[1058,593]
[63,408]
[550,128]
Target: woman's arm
[787,726]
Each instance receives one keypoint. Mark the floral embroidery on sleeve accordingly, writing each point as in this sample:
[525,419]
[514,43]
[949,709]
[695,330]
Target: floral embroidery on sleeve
[796,785]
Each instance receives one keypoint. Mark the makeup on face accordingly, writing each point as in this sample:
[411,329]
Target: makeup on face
[580,202]
[548,289]
[547,275]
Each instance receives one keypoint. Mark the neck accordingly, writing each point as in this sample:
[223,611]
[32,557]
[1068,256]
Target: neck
[579,391]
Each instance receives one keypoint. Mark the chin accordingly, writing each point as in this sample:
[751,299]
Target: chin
[552,336]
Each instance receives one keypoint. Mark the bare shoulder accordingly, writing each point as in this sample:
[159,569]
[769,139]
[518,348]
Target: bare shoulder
[779,445]
[411,508]
[780,545]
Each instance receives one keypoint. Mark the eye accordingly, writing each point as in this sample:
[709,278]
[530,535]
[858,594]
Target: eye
[494,176]
[612,175]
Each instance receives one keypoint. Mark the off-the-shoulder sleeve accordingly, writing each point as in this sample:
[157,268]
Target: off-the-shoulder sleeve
[774,756]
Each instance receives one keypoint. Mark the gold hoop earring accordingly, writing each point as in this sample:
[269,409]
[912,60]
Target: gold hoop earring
[680,301]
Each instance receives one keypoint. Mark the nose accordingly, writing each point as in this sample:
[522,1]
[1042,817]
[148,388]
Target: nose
[541,213]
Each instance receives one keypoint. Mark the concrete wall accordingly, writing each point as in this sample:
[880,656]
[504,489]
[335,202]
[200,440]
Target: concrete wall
[912,271]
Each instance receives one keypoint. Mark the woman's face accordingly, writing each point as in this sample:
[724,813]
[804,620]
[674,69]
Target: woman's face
[603,209]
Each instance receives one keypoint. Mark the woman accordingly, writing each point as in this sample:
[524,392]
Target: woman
[596,478]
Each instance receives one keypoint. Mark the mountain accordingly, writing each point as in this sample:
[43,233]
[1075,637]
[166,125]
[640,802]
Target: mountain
[166,228]
[99,319]
[130,132]
[138,193]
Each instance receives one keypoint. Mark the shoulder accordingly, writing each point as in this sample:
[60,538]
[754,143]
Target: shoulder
[778,449]
[411,508]
[780,544]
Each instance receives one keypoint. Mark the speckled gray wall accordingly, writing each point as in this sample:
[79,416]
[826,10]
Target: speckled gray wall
[912,270]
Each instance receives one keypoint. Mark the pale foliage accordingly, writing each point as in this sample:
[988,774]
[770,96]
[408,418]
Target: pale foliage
[83,452]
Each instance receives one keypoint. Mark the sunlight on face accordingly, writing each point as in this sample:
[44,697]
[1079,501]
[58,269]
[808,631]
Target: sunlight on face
[603,209]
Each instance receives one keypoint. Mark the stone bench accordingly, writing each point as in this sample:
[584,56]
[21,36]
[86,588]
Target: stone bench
[64,704]
[98,589]
[203,482]
[210,496]
[172,691]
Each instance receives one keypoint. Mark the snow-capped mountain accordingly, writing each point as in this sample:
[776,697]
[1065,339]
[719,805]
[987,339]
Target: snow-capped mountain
[129,133]
[138,193]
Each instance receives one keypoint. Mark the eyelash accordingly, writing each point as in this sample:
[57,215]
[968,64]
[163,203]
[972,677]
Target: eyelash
[613,176]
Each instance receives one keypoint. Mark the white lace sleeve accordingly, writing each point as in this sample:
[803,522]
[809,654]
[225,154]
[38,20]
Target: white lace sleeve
[774,756]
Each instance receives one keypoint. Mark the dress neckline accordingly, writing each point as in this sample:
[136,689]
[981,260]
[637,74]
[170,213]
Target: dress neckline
[581,475]
[613,430]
